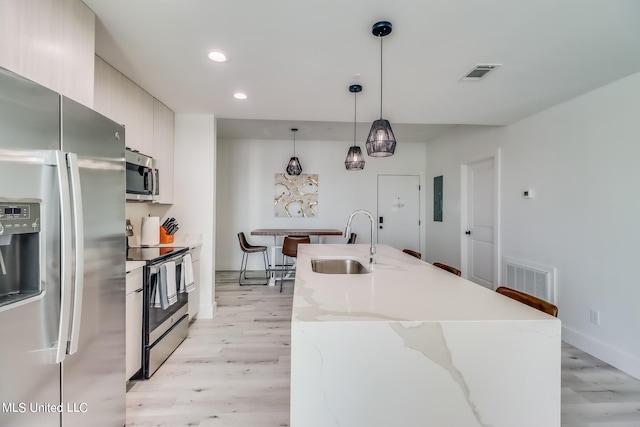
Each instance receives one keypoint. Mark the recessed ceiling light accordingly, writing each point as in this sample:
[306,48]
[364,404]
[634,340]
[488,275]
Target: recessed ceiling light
[239,95]
[217,56]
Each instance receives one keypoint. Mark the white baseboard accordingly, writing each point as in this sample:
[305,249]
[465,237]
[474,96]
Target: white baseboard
[207,311]
[613,356]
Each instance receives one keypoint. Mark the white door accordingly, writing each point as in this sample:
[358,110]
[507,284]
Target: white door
[399,211]
[480,222]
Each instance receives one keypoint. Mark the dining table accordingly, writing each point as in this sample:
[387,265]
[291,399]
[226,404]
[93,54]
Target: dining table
[280,232]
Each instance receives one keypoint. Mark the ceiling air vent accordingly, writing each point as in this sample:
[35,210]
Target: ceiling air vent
[480,71]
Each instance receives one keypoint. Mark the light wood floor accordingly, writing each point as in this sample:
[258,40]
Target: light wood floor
[233,371]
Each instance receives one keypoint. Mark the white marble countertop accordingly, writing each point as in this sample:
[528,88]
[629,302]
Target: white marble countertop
[399,288]
[410,344]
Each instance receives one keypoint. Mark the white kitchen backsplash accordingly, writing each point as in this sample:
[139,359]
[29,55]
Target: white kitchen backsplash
[135,212]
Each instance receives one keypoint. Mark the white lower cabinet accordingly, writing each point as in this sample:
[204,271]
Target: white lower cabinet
[194,296]
[134,304]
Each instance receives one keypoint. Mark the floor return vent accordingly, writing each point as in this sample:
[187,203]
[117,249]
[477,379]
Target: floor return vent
[534,279]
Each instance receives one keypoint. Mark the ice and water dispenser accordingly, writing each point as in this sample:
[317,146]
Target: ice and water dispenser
[19,250]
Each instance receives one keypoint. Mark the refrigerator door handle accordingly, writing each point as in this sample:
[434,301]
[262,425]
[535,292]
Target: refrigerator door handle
[78,229]
[65,254]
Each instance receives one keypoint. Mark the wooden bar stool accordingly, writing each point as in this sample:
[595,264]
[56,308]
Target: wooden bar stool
[247,249]
[290,250]
[448,268]
[412,253]
[529,300]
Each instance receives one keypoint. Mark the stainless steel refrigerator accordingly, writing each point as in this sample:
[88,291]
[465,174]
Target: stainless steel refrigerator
[62,261]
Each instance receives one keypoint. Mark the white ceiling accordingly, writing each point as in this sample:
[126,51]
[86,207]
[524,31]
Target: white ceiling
[296,58]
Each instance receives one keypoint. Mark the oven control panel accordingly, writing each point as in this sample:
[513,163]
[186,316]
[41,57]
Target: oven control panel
[19,218]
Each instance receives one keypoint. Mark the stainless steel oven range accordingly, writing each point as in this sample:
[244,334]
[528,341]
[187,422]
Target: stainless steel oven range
[164,329]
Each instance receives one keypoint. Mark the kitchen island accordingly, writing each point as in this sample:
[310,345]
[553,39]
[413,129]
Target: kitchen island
[409,344]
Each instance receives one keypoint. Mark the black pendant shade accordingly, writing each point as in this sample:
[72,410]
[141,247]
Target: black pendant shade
[294,167]
[381,142]
[355,159]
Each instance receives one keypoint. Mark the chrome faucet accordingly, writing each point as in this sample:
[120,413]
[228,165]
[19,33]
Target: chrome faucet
[347,232]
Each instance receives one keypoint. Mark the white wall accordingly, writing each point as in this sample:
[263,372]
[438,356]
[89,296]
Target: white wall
[246,171]
[135,212]
[581,158]
[444,157]
[194,194]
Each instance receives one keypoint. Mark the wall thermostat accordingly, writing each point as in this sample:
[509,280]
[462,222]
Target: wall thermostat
[527,194]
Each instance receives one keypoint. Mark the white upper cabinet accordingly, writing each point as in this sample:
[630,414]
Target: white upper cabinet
[149,124]
[50,42]
[163,141]
[123,101]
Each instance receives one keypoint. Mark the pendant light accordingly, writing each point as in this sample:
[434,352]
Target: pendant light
[381,141]
[355,159]
[294,167]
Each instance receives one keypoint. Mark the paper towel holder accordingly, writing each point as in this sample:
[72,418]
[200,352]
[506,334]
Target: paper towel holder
[149,231]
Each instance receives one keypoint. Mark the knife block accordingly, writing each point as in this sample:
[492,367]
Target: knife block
[164,237]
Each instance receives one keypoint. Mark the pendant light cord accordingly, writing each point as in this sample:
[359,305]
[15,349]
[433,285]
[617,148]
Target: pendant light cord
[381,78]
[355,115]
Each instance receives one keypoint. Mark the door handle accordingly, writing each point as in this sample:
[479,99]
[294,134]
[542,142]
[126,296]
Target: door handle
[154,183]
[468,232]
[148,181]
[78,228]
[65,254]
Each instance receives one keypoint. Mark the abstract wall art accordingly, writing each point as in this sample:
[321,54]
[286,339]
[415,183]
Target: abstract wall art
[295,196]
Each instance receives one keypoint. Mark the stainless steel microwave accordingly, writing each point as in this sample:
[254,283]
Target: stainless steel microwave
[143,178]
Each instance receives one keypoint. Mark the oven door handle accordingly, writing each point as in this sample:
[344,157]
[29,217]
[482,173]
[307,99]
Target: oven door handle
[178,259]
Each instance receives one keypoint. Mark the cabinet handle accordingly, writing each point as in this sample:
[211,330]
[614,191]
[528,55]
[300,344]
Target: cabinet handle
[139,290]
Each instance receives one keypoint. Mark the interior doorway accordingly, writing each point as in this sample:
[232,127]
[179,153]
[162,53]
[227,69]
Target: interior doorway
[399,211]
[480,221]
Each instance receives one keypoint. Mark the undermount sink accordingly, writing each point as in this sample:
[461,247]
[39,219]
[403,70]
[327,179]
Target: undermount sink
[338,266]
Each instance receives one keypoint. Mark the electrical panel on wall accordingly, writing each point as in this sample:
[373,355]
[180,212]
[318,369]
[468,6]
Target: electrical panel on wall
[437,198]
